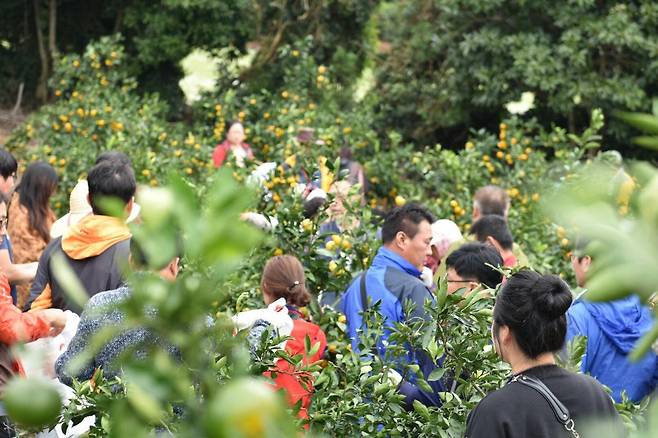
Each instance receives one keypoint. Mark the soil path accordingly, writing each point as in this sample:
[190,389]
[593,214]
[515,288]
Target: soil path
[8,122]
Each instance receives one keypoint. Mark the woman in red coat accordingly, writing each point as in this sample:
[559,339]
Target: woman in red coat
[16,326]
[283,277]
[233,145]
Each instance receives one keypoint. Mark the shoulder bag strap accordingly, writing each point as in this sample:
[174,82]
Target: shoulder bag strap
[364,293]
[561,412]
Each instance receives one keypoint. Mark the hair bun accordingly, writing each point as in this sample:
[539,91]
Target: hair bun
[552,296]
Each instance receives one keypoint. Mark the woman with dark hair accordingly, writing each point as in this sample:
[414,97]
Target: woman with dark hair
[30,216]
[234,145]
[540,399]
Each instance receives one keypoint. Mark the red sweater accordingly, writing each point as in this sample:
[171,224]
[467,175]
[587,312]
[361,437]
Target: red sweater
[15,326]
[221,152]
[298,386]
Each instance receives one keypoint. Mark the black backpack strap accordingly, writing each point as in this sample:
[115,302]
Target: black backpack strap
[364,293]
[561,412]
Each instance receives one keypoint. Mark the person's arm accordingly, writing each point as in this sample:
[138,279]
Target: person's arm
[40,294]
[417,295]
[411,392]
[17,272]
[219,155]
[85,370]
[16,326]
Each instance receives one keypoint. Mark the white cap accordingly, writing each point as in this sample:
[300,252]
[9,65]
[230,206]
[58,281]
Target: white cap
[444,233]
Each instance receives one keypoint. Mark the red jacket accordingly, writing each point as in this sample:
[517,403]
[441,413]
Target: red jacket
[299,386]
[15,326]
[221,152]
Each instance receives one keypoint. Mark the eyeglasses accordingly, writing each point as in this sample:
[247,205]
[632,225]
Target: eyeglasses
[458,281]
[3,221]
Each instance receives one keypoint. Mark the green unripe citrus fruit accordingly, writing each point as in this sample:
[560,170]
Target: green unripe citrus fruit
[32,403]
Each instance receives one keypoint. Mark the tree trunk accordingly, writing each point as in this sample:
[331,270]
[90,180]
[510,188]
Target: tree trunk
[118,21]
[19,99]
[52,30]
[42,85]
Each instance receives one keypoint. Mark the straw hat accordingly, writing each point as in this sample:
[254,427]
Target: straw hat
[79,208]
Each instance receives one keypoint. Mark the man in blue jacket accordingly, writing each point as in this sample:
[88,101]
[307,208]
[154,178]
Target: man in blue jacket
[612,329]
[393,280]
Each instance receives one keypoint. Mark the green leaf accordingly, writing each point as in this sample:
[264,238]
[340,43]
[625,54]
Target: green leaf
[68,280]
[646,141]
[644,344]
[436,374]
[422,410]
[422,384]
[144,404]
[644,122]
[313,351]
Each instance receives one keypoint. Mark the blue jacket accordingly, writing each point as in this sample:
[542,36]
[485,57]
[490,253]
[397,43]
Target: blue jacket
[394,281]
[612,329]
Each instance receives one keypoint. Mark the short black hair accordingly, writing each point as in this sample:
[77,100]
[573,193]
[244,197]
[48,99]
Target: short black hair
[470,261]
[534,307]
[405,219]
[8,164]
[491,200]
[110,179]
[312,207]
[115,156]
[495,226]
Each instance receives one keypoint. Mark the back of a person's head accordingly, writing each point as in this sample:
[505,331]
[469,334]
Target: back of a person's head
[283,277]
[470,262]
[110,179]
[39,181]
[491,200]
[312,207]
[114,156]
[405,219]
[495,226]
[533,306]
[35,189]
[8,164]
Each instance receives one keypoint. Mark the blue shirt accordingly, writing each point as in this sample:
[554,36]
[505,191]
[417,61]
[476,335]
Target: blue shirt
[612,330]
[6,244]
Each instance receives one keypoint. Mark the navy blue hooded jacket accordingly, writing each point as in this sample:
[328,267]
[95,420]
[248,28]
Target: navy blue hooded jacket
[612,329]
[392,280]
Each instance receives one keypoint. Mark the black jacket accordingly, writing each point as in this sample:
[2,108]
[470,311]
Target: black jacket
[518,411]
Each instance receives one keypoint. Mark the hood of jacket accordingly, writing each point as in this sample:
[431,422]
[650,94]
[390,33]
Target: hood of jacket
[93,235]
[622,321]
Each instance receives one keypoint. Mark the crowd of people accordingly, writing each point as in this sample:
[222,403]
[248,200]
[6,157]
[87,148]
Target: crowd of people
[534,315]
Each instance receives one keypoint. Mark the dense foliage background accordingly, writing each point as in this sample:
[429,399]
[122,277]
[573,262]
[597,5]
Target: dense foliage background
[437,68]
[415,90]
